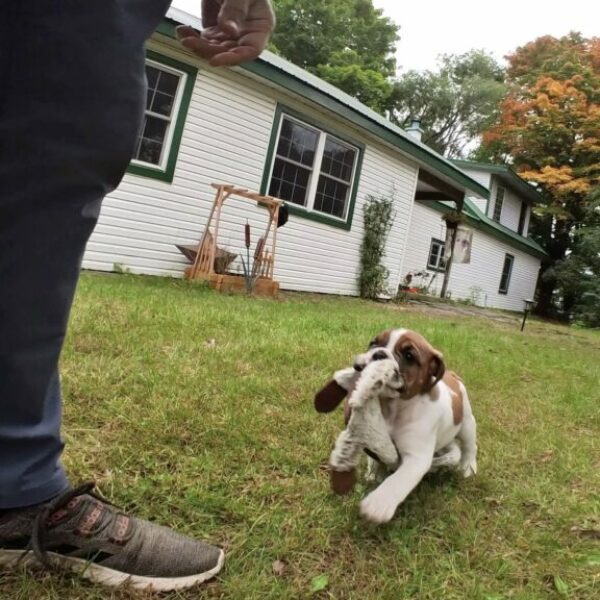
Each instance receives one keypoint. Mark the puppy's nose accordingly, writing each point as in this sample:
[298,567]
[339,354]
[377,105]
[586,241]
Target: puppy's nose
[379,355]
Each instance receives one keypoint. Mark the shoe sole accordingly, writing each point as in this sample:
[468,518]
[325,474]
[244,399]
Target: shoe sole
[111,577]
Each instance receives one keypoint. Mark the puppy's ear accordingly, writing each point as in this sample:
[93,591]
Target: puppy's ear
[436,370]
[330,397]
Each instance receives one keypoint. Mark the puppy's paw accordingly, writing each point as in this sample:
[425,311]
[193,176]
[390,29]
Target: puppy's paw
[377,508]
[449,457]
[469,468]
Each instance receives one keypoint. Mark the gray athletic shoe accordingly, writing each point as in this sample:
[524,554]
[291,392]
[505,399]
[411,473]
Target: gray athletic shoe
[80,531]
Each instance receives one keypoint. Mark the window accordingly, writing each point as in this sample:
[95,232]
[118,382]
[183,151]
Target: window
[498,203]
[522,217]
[168,95]
[436,260]
[506,273]
[161,98]
[315,171]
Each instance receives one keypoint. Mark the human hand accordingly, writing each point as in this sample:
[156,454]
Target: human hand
[235,31]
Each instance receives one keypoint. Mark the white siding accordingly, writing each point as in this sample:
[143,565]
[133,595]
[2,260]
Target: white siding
[485,269]
[484,179]
[480,203]
[225,140]
[511,209]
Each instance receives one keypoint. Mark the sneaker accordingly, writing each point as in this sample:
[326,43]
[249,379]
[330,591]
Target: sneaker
[80,531]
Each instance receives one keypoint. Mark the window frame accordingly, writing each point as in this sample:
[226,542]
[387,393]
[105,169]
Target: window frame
[324,132]
[501,290]
[440,268]
[498,188]
[522,218]
[166,169]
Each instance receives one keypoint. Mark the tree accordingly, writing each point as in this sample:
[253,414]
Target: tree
[455,104]
[578,275]
[549,130]
[348,43]
[369,86]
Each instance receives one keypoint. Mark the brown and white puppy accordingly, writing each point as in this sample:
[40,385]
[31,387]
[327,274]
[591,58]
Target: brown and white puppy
[430,414]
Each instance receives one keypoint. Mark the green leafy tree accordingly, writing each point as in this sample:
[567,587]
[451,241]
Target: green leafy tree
[349,43]
[549,130]
[455,104]
[369,86]
[577,276]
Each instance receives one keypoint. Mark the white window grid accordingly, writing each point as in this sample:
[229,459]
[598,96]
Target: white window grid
[171,119]
[497,214]
[315,171]
[439,263]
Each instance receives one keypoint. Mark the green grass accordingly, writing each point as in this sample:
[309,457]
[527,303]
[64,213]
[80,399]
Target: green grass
[223,443]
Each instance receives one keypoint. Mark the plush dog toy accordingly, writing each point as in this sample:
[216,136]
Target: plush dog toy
[366,429]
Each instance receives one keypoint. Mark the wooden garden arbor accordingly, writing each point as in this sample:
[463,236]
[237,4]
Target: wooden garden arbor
[210,262]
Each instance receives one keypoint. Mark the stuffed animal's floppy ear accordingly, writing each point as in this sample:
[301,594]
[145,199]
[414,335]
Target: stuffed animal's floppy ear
[330,397]
[336,390]
[342,482]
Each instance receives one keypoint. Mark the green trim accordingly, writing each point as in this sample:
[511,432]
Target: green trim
[167,173]
[388,132]
[294,208]
[167,28]
[310,87]
[507,175]
[480,221]
[271,149]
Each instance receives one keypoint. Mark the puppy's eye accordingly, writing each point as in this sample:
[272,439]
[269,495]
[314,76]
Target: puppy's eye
[408,355]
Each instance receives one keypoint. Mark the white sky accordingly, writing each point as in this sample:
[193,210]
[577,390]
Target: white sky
[433,27]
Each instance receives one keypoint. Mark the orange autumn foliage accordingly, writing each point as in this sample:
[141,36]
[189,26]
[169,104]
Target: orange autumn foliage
[549,127]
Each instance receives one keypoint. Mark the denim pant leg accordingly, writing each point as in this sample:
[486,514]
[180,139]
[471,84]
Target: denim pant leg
[72,93]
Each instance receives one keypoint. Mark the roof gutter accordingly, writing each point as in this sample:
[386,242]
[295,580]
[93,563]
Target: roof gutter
[308,86]
[508,176]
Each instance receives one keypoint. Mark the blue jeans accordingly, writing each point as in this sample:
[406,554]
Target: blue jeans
[72,95]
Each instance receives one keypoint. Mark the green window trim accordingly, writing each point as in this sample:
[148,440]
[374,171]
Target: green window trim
[346,224]
[293,79]
[178,123]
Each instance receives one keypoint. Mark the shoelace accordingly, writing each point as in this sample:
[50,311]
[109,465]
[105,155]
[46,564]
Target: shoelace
[40,524]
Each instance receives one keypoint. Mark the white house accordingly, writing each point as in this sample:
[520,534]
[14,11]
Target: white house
[268,126]
[504,264]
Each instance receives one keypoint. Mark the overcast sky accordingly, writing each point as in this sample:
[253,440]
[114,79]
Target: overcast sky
[433,27]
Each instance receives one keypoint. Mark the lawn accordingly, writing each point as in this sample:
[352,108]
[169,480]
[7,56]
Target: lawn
[220,440]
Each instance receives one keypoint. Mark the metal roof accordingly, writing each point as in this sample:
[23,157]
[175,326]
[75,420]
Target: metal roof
[299,81]
[507,175]
[481,221]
